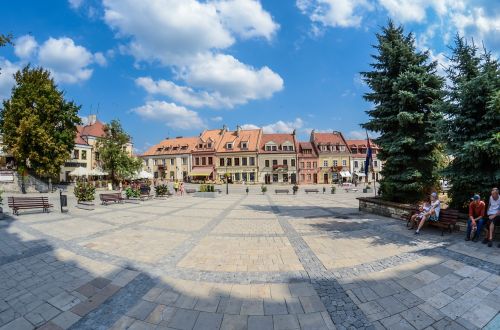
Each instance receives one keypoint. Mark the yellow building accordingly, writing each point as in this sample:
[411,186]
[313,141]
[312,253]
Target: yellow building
[334,157]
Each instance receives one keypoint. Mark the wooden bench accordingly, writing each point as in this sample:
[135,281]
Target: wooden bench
[447,219]
[282,191]
[190,191]
[145,193]
[111,197]
[24,203]
[351,189]
[311,191]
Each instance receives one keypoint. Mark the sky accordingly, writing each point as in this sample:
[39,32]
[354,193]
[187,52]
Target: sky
[168,68]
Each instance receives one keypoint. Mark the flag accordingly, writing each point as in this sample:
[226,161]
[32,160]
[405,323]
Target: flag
[369,159]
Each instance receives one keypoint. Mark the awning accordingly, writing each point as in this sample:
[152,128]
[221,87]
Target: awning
[201,171]
[345,174]
[359,174]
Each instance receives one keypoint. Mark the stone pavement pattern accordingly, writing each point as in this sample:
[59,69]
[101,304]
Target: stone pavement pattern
[241,262]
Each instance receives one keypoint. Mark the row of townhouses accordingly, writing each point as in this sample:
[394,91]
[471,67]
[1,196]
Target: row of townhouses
[249,155]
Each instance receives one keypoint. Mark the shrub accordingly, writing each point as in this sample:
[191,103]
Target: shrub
[132,193]
[263,189]
[84,192]
[333,189]
[161,190]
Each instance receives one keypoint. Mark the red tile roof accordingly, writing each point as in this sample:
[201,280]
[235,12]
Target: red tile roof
[334,138]
[250,136]
[362,143]
[95,130]
[279,139]
[306,145]
[173,146]
[78,138]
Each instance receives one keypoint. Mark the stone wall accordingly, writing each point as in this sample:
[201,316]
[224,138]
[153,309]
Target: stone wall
[378,206]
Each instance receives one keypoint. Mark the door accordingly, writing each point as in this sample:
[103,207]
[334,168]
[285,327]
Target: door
[267,179]
[293,178]
[315,178]
[285,177]
[325,178]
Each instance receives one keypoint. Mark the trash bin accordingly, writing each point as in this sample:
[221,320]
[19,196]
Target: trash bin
[63,201]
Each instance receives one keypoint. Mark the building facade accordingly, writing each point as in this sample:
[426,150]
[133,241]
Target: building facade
[204,157]
[277,158]
[237,155]
[170,159]
[334,157]
[358,158]
[307,162]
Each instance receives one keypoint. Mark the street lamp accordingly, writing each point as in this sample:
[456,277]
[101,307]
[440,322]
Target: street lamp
[227,181]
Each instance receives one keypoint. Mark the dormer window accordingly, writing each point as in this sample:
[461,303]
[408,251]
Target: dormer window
[342,148]
[268,148]
[200,146]
[244,145]
[274,148]
[229,145]
[209,145]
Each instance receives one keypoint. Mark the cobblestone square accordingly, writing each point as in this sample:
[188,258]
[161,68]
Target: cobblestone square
[240,262]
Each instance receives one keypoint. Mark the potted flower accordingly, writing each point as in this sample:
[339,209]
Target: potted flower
[333,189]
[368,188]
[247,190]
[324,190]
[263,189]
[85,195]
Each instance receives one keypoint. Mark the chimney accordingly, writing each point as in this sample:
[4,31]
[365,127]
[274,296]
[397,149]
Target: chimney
[91,119]
[223,130]
[294,131]
[238,130]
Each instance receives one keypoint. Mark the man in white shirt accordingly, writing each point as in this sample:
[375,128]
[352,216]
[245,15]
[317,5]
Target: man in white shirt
[493,216]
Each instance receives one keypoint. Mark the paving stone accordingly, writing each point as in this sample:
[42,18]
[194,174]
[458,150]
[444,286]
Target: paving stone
[417,318]
[396,322]
[207,304]
[100,282]
[141,310]
[439,300]
[365,294]
[141,325]
[208,321]
[46,311]
[88,290]
[312,321]
[64,301]
[66,319]
[252,307]
[301,289]
[426,276]
[18,324]
[123,323]
[50,326]
[233,306]
[447,324]
[234,322]
[293,305]
[285,322]
[408,299]
[312,304]
[260,322]
[184,319]
[186,302]
[167,298]
[391,305]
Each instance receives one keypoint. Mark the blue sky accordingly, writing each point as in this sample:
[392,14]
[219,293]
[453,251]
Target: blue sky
[175,67]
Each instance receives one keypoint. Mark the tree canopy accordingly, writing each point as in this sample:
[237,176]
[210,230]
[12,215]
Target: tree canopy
[113,155]
[472,126]
[405,90]
[37,123]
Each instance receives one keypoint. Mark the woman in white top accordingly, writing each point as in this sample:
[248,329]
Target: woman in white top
[493,215]
[432,214]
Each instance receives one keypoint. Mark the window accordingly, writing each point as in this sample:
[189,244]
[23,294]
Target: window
[285,162]
[229,145]
[210,161]
[197,161]
[209,145]
[315,165]
[252,176]
[268,148]
[184,161]
[229,161]
[275,177]
[221,162]
[172,174]
[244,145]
[237,161]
[335,163]
[325,163]
[267,162]
[293,162]
[203,161]
[155,161]
[275,162]
[76,154]
[308,164]
[344,162]
[309,177]
[274,148]
[244,176]
[84,154]
[97,156]
[236,176]
[302,164]
[200,146]
[355,164]
[172,161]
[244,161]
[375,163]
[302,177]
[342,148]
[252,163]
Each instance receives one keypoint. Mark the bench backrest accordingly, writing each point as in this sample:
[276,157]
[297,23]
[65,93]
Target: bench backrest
[448,215]
[26,200]
[111,195]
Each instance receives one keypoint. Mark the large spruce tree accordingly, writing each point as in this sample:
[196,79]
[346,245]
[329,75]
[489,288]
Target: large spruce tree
[38,124]
[472,126]
[405,91]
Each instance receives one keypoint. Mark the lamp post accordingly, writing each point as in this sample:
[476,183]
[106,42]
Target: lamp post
[227,181]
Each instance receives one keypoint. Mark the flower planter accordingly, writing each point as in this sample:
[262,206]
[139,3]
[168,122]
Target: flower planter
[133,200]
[89,206]
[205,194]
[367,190]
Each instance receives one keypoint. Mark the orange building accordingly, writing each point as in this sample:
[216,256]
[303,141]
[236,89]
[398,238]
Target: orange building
[334,157]
[278,158]
[204,154]
[307,157]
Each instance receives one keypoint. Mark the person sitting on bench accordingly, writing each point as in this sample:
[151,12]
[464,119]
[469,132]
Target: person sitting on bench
[423,209]
[433,214]
[493,216]
[475,222]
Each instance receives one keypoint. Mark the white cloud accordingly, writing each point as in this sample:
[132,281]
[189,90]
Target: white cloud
[189,38]
[8,69]
[246,18]
[100,59]
[25,46]
[174,116]
[333,13]
[360,135]
[67,62]
[278,127]
[75,4]
[217,119]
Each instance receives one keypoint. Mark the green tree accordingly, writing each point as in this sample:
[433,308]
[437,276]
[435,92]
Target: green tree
[38,124]
[472,126]
[5,39]
[113,156]
[405,91]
